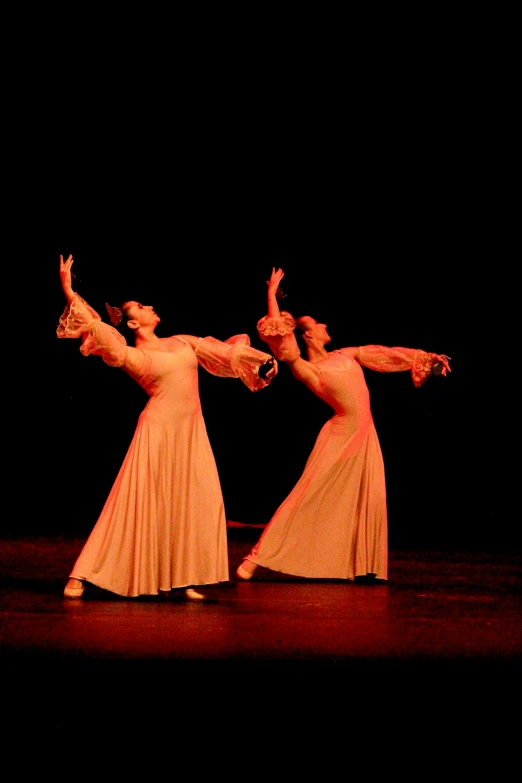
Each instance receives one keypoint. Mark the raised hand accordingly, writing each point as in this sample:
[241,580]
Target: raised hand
[275,279]
[66,276]
[273,287]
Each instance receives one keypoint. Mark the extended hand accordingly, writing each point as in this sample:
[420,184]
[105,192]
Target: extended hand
[269,369]
[441,365]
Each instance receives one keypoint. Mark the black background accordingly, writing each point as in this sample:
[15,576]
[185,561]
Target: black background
[371,182]
[436,440]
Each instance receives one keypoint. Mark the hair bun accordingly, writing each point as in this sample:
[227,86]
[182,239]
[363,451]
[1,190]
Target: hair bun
[115,314]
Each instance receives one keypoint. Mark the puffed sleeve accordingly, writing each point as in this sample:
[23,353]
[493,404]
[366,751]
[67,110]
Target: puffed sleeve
[105,341]
[235,358]
[279,334]
[98,338]
[419,363]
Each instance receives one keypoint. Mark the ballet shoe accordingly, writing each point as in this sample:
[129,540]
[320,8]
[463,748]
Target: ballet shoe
[243,574]
[73,589]
[193,595]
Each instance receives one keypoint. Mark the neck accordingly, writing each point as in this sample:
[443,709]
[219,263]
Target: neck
[145,337]
[316,352]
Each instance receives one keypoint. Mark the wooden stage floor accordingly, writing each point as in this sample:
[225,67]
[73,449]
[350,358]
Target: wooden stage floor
[440,612]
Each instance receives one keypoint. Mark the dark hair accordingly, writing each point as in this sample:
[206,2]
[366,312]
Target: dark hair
[299,322]
[124,307]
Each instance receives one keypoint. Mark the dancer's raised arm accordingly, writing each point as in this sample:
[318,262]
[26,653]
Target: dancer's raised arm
[66,278]
[273,287]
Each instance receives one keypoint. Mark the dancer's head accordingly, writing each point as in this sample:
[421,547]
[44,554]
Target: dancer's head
[135,315]
[312,331]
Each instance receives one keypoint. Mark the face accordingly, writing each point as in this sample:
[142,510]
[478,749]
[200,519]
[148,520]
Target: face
[144,315]
[318,331]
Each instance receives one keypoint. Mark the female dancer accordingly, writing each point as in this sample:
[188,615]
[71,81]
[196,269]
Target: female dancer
[333,524]
[163,525]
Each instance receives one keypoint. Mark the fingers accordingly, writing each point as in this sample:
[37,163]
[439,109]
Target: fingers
[276,276]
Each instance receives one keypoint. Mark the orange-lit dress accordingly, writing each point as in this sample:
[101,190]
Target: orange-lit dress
[163,524]
[333,524]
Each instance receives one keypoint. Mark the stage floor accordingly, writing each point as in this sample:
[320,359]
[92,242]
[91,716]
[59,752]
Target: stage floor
[445,623]
[436,606]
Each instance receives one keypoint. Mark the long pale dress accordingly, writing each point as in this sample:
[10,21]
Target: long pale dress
[334,524]
[163,524]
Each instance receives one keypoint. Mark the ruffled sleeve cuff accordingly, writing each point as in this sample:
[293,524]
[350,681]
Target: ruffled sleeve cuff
[425,365]
[80,320]
[76,318]
[235,358]
[268,327]
[279,335]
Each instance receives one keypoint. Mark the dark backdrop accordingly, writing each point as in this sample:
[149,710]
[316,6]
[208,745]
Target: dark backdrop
[376,200]
[409,288]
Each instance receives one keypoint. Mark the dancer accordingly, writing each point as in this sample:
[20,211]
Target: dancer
[163,525]
[333,524]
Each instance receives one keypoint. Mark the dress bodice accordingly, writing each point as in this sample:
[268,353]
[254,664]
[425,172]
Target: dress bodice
[343,386]
[171,380]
